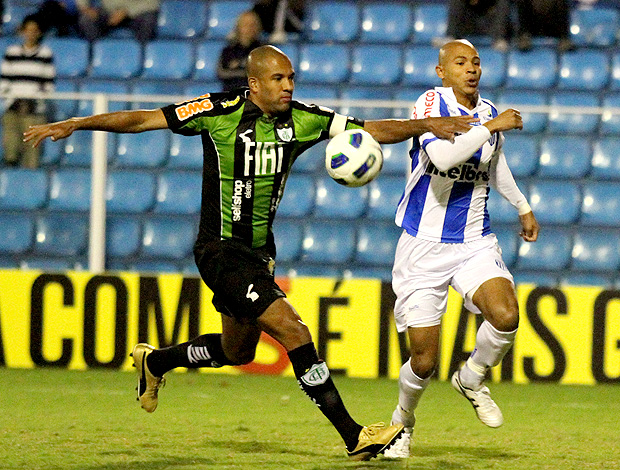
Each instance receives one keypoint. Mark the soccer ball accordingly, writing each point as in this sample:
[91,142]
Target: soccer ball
[353,158]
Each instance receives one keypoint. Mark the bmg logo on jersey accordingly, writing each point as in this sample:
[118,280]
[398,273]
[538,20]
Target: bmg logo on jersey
[466,172]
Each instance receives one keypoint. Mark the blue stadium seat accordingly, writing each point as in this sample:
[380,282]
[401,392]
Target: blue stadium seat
[332,21]
[70,189]
[323,63]
[334,200]
[46,264]
[169,237]
[551,252]
[378,64]
[615,71]
[182,19]
[537,68]
[23,189]
[532,122]
[123,236]
[116,58]
[185,152]
[493,64]
[168,59]
[153,266]
[564,156]
[596,250]
[199,88]
[537,278]
[594,26]
[384,194]
[587,279]
[156,87]
[16,233]
[178,192]
[145,150]
[312,160]
[366,93]
[299,195]
[386,22]
[430,20]
[289,238]
[207,60]
[584,70]
[500,210]
[408,96]
[419,64]
[223,14]
[64,108]
[85,106]
[61,234]
[328,242]
[376,243]
[573,123]
[71,56]
[291,49]
[14,14]
[311,94]
[555,202]
[606,158]
[130,191]
[508,239]
[78,149]
[522,154]
[610,122]
[601,203]
[396,160]
[383,273]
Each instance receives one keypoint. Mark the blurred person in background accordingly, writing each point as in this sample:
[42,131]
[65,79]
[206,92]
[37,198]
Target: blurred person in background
[27,68]
[280,17]
[548,18]
[234,57]
[61,17]
[138,15]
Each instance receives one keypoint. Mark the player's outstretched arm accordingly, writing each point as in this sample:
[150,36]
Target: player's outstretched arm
[121,121]
[529,227]
[391,131]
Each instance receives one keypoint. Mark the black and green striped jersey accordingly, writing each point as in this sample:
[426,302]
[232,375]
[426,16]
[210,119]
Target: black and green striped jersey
[247,158]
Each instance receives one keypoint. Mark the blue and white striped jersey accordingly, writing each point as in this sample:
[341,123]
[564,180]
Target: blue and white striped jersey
[448,206]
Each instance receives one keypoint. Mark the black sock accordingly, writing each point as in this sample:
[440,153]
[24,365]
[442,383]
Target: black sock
[203,351]
[314,379]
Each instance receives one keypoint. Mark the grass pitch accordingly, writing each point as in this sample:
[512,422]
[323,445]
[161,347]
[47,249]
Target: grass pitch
[56,419]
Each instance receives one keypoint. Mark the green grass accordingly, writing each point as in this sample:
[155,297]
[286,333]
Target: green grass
[55,419]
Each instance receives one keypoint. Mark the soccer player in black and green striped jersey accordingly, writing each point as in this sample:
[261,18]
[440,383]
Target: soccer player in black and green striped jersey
[251,138]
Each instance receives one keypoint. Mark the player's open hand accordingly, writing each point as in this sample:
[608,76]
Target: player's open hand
[55,131]
[529,227]
[448,127]
[508,120]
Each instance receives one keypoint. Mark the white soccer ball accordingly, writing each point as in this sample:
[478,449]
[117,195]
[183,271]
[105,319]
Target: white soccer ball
[353,158]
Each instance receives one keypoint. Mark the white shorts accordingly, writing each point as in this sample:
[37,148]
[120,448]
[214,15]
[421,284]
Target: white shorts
[424,270]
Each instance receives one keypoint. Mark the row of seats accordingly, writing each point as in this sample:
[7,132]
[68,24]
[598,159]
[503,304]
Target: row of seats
[343,21]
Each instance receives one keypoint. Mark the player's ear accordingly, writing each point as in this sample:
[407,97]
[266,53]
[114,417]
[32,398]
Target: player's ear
[253,84]
[439,71]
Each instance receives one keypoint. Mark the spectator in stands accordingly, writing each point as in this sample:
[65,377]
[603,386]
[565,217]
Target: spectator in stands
[549,18]
[138,15]
[233,59]
[61,16]
[280,17]
[27,68]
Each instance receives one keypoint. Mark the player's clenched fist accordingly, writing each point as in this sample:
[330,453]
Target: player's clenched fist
[509,119]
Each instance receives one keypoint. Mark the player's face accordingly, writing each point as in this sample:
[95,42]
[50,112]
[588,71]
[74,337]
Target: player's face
[274,87]
[461,70]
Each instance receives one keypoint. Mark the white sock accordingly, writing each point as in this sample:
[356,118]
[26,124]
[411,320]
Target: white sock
[410,389]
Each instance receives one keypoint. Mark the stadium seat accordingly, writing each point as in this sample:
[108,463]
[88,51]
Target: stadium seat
[584,70]
[223,14]
[408,96]
[70,189]
[493,64]
[615,71]
[157,87]
[71,56]
[551,252]
[396,160]
[323,64]
[50,152]
[23,189]
[385,22]
[185,152]
[78,149]
[169,237]
[16,233]
[288,237]
[500,210]
[430,21]
[311,160]
[586,279]
[47,264]
[596,250]
[376,64]
[601,203]
[116,58]
[532,122]
[555,202]
[383,273]
[384,194]
[336,201]
[610,121]
[522,154]
[14,14]
[573,123]
[199,88]
[123,236]
[61,235]
[376,243]
[419,64]
[595,26]
[316,94]
[564,156]
[366,93]
[333,21]
[130,191]
[153,266]
[328,242]
[178,192]
[63,108]
[207,60]
[299,196]
[144,150]
[508,239]
[85,106]
[180,19]
[537,278]
[168,59]
[606,158]
[291,49]
[537,68]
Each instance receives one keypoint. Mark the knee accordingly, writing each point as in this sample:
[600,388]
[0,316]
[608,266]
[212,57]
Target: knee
[240,358]
[505,318]
[423,365]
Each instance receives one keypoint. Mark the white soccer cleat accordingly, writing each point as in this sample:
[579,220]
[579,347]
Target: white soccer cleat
[484,406]
[400,448]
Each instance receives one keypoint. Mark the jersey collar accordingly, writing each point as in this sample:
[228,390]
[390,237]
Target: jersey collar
[448,95]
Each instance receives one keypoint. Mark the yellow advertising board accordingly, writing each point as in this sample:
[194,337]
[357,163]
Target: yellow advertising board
[79,320]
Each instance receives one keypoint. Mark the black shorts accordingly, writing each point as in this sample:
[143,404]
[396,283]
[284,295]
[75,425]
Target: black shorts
[240,278]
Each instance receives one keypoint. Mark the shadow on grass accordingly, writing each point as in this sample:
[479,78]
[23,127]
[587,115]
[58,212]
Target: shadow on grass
[479,453]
